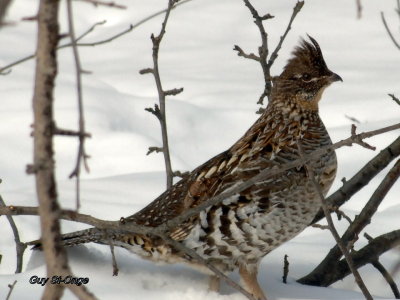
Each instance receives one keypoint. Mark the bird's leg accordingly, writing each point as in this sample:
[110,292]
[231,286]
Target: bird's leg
[248,275]
[213,283]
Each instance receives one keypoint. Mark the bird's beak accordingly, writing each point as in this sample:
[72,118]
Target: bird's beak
[335,77]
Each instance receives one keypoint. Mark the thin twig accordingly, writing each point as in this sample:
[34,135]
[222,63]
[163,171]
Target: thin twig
[285,268]
[104,3]
[161,116]
[341,214]
[263,51]
[19,247]
[154,149]
[11,287]
[335,234]
[389,32]
[359,9]
[82,156]
[352,119]
[73,133]
[4,4]
[362,177]
[93,44]
[319,226]
[360,141]
[114,260]
[394,98]
[362,257]
[296,10]
[384,272]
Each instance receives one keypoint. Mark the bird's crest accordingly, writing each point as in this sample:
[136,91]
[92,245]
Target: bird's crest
[306,56]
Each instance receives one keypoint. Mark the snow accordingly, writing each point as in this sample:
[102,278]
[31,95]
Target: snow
[215,109]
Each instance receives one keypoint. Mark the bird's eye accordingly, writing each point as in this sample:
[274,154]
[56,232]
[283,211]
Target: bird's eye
[306,76]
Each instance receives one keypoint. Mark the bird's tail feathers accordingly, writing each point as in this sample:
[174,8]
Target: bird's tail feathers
[74,238]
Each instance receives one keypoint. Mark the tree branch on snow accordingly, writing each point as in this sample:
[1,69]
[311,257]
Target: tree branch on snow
[49,210]
[4,4]
[114,260]
[339,242]
[285,268]
[104,3]
[82,156]
[387,27]
[6,69]
[359,9]
[263,51]
[160,112]
[365,255]
[11,287]
[389,279]
[362,177]
[353,231]
[20,247]
[43,158]
[394,98]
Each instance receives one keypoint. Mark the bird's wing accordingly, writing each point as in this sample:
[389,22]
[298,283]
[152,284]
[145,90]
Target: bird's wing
[252,153]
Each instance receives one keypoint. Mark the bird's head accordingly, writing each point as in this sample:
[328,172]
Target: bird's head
[306,75]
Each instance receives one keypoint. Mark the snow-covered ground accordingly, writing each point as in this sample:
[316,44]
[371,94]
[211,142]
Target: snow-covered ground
[217,106]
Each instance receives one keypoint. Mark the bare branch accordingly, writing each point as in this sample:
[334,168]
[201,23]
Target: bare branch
[296,10]
[340,214]
[82,156]
[146,71]
[285,268]
[319,226]
[73,133]
[11,287]
[114,260]
[362,177]
[384,272]
[104,3]
[365,255]
[101,42]
[245,55]
[46,70]
[173,92]
[161,115]
[394,98]
[4,4]
[263,51]
[155,111]
[359,9]
[335,234]
[181,174]
[389,32]
[359,223]
[19,247]
[360,141]
[154,149]
[352,119]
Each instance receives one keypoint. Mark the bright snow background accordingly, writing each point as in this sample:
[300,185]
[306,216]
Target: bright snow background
[217,106]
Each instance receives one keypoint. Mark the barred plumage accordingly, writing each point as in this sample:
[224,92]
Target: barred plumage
[240,231]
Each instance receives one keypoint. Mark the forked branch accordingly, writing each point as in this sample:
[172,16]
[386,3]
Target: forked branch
[160,112]
[263,51]
[335,234]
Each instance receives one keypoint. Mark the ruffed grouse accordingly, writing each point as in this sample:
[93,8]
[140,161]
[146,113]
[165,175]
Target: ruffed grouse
[242,229]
